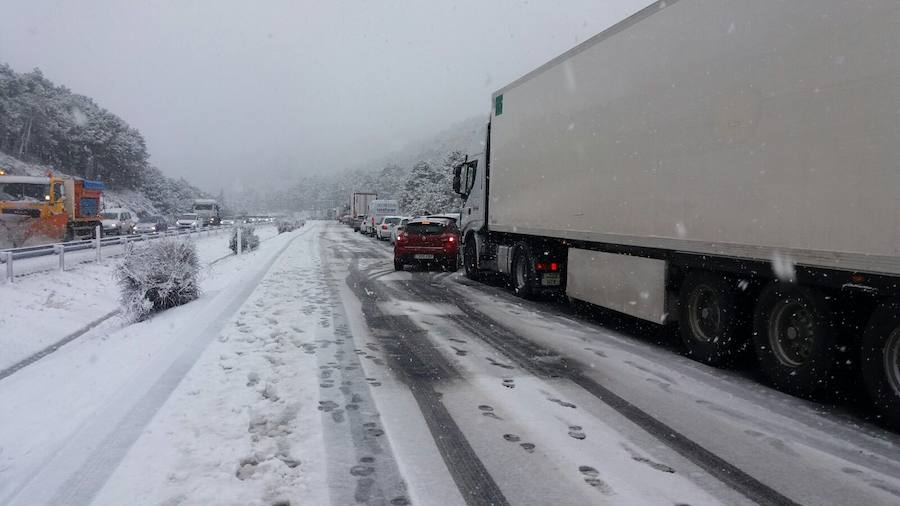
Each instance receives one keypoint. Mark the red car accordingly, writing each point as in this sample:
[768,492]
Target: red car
[432,241]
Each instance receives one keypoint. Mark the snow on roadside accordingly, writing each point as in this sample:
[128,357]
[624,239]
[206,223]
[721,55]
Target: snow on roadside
[242,427]
[69,404]
[41,309]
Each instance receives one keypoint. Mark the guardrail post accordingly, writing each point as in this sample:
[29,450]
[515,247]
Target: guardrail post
[61,251]
[9,265]
[97,243]
[239,245]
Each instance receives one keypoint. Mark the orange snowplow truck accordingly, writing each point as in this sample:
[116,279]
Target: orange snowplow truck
[42,210]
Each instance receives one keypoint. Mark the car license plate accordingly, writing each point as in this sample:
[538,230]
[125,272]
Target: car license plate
[423,257]
[550,279]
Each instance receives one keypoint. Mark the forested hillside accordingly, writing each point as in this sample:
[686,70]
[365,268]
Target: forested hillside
[49,126]
[419,176]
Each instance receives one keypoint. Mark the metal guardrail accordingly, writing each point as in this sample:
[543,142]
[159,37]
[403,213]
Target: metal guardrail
[8,257]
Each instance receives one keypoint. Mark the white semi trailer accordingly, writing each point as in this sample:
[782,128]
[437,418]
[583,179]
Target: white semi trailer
[729,165]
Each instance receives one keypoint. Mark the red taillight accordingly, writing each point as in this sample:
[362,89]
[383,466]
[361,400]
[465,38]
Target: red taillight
[546,266]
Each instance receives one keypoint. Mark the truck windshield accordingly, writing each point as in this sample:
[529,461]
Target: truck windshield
[24,192]
[203,207]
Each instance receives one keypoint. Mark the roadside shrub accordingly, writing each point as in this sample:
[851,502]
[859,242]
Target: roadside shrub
[289,225]
[157,277]
[249,239]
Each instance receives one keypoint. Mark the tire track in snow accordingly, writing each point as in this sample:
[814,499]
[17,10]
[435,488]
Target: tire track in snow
[421,366]
[362,468]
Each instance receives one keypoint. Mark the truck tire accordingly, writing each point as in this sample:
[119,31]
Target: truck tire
[522,277]
[470,259]
[712,319]
[794,338]
[398,265]
[880,361]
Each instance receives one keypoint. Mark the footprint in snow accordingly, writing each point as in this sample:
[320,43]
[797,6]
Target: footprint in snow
[592,478]
[596,352]
[246,468]
[327,406]
[498,364]
[512,438]
[635,456]
[488,411]
[509,383]
[576,432]
[562,403]
[528,447]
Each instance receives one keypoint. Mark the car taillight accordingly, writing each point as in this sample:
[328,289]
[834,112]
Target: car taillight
[546,266]
[401,237]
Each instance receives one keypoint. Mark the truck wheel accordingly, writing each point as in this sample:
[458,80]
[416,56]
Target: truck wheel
[880,361]
[470,256]
[398,265]
[794,338]
[711,318]
[523,274]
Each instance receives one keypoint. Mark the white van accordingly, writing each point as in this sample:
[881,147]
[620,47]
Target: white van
[378,209]
[118,221]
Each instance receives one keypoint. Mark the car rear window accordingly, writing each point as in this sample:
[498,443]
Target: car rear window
[430,228]
[392,220]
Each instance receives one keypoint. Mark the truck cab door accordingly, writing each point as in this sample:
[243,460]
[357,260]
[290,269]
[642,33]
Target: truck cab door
[472,189]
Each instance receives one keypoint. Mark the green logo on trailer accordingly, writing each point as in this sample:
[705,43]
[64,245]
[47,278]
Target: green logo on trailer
[498,105]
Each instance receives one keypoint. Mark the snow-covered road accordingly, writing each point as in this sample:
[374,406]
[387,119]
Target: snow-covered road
[311,372]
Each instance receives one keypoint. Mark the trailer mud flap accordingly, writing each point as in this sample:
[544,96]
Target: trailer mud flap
[632,285]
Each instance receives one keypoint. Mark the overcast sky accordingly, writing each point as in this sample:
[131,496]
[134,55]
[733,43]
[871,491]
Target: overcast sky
[232,88]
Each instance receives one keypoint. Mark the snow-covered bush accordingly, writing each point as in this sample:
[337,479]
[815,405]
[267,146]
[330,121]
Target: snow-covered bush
[249,239]
[289,225]
[159,276]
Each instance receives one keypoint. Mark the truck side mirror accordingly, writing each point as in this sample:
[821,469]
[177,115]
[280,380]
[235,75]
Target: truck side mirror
[457,181]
